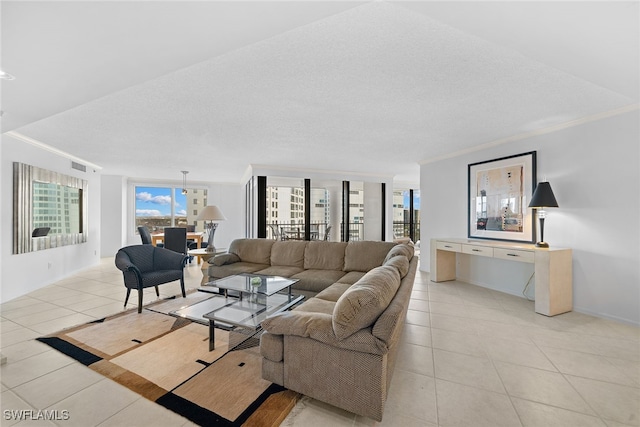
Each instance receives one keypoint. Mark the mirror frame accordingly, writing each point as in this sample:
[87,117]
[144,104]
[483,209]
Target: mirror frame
[23,178]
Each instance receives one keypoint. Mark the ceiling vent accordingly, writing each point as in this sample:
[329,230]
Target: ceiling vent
[78,166]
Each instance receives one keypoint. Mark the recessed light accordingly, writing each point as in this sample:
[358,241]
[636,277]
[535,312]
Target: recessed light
[6,76]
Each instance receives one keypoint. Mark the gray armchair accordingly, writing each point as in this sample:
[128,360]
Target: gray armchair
[144,266]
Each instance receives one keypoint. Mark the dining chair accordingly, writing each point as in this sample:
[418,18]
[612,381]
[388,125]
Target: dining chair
[326,233]
[275,232]
[145,235]
[175,239]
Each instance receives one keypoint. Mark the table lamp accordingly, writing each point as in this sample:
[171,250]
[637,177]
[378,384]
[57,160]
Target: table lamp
[211,214]
[542,198]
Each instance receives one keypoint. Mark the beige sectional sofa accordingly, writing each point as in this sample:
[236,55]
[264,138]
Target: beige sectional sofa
[339,346]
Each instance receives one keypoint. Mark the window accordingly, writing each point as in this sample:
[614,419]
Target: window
[159,207]
[406,214]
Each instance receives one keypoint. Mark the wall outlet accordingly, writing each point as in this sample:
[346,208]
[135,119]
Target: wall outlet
[49,265]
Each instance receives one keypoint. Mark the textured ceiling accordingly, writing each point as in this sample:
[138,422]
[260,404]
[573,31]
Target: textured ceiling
[371,88]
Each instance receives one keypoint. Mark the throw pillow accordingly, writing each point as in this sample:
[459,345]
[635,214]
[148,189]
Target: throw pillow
[223,259]
[404,249]
[365,301]
[401,263]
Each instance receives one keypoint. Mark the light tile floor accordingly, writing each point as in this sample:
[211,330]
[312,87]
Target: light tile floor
[469,356]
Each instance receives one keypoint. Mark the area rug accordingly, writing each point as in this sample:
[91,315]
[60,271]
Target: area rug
[167,360]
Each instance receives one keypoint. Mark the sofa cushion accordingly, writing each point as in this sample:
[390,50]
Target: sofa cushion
[334,292]
[221,271]
[315,305]
[401,263]
[365,300]
[324,256]
[365,255]
[352,277]
[289,253]
[280,270]
[252,250]
[316,280]
[405,249]
[223,259]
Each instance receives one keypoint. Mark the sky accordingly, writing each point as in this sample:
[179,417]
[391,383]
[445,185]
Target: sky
[156,201]
[416,200]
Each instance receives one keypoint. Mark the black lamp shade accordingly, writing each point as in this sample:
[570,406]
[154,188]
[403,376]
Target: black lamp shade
[543,197]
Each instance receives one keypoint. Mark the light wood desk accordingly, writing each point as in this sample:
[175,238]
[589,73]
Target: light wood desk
[552,267]
[193,235]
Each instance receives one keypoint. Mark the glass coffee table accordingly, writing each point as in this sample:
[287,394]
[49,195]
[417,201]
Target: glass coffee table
[257,298]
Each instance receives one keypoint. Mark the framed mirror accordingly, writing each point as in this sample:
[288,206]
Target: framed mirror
[49,209]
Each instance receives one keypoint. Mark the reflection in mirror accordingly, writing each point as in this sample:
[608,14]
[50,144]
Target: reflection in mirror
[57,207]
[47,200]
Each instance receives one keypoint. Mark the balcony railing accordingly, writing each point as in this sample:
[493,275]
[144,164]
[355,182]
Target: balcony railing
[278,231]
[285,231]
[403,229]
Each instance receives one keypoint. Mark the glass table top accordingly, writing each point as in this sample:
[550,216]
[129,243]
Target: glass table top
[253,283]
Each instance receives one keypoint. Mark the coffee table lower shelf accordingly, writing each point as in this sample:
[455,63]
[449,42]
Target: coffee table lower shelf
[247,313]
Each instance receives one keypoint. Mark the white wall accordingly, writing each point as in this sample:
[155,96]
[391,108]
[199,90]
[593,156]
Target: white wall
[230,199]
[24,273]
[593,169]
[373,211]
[113,205]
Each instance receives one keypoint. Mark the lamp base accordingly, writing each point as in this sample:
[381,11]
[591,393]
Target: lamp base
[542,245]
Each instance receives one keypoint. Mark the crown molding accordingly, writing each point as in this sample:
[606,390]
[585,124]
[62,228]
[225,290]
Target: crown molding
[43,146]
[525,135]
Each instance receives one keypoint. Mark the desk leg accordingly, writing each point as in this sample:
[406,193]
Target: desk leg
[212,335]
[443,265]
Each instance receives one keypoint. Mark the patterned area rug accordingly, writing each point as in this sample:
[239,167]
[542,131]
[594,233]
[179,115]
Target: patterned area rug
[167,360]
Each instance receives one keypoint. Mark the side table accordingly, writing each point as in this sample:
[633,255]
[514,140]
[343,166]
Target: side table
[203,254]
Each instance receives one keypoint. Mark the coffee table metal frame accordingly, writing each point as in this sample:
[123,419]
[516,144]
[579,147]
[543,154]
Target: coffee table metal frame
[252,305]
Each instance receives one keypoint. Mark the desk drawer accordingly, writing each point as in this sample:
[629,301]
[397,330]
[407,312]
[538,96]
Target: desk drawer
[477,250]
[448,246]
[514,255]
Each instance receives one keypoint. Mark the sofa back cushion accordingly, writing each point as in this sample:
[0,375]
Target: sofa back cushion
[364,301]
[365,255]
[252,250]
[289,253]
[324,256]
[405,249]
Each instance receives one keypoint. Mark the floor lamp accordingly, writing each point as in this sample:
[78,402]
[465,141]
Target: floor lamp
[211,214]
[543,198]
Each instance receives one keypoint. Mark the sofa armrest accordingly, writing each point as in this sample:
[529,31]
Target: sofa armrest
[319,327]
[299,323]
[224,259]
